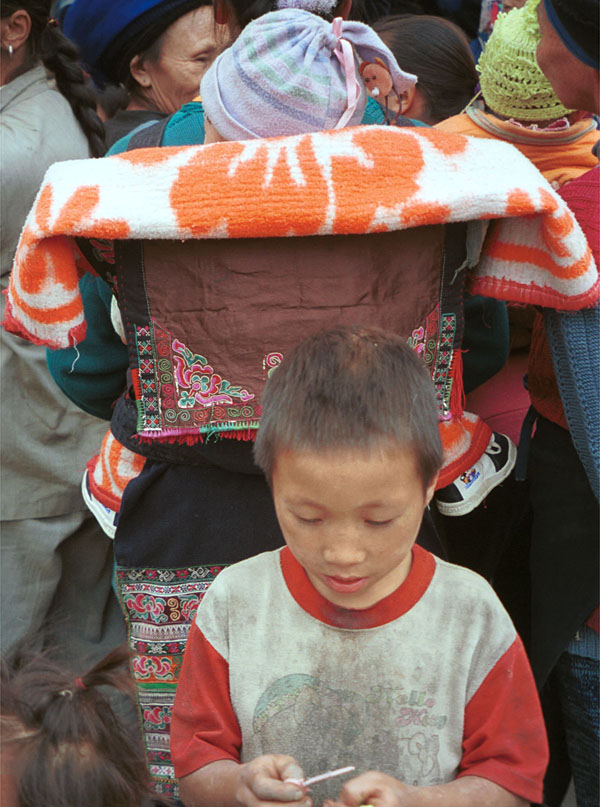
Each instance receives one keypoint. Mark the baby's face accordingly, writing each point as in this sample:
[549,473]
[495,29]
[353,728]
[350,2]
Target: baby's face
[351,517]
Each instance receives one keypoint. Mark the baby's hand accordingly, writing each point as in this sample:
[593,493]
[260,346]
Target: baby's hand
[262,782]
[377,789]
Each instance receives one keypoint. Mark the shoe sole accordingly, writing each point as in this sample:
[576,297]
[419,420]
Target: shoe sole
[462,508]
[97,509]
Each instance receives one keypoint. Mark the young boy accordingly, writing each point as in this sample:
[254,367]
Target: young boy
[351,645]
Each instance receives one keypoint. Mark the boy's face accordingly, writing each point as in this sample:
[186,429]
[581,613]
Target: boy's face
[350,517]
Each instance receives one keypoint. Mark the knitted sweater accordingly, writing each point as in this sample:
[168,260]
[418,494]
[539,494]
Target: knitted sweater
[583,197]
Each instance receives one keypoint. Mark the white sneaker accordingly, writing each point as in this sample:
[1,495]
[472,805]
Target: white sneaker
[470,489]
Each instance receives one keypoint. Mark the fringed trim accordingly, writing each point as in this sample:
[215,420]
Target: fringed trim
[245,433]
[169,438]
[249,435]
[140,415]
[135,382]
[457,392]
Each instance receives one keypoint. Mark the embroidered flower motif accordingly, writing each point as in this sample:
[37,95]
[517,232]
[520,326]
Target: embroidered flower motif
[198,383]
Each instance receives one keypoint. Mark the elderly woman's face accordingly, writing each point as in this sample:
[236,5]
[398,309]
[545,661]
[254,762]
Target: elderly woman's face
[187,49]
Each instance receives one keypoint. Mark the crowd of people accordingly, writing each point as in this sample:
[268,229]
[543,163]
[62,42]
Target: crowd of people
[300,436]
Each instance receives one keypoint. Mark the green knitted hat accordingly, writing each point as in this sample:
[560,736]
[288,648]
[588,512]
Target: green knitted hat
[512,83]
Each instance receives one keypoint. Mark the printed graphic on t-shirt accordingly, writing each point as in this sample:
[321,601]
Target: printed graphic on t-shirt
[390,729]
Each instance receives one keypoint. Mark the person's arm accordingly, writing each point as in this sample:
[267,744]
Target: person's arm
[206,738]
[258,783]
[380,790]
[93,374]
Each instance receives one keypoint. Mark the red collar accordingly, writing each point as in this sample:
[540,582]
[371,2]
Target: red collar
[391,607]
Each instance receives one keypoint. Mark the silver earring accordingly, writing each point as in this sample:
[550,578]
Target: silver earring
[10,51]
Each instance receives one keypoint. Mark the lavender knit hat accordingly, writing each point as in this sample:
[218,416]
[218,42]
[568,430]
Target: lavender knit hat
[291,72]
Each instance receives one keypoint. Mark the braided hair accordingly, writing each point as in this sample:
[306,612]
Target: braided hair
[63,737]
[48,44]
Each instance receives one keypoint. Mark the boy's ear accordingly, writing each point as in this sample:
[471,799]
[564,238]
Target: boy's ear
[431,489]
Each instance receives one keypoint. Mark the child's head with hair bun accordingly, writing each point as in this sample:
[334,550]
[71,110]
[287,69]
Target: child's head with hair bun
[61,742]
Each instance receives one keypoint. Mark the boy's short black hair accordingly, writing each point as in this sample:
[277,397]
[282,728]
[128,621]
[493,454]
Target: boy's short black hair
[350,387]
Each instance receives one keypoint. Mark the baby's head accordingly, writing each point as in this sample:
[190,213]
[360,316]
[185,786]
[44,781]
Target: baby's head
[349,442]
[291,72]
[61,741]
[512,83]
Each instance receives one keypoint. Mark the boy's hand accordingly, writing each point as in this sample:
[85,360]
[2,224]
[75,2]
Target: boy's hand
[376,789]
[262,782]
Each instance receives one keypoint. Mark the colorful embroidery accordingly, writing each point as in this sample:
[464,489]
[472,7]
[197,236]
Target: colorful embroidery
[435,345]
[424,339]
[103,249]
[182,394]
[159,607]
[270,362]
[442,378]
[148,402]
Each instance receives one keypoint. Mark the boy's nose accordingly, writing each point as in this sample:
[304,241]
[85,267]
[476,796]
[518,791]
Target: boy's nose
[342,554]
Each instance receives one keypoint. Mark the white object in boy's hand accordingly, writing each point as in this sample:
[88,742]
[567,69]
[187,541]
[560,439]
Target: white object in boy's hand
[321,777]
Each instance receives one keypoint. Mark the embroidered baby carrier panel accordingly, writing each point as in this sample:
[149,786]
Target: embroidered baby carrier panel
[218,315]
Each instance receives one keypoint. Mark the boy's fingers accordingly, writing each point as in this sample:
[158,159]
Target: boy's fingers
[372,788]
[269,789]
[288,768]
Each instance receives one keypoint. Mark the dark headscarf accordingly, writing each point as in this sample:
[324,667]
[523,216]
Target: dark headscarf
[577,24]
[110,33]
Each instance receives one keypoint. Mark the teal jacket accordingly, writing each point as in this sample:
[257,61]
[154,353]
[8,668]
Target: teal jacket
[186,126]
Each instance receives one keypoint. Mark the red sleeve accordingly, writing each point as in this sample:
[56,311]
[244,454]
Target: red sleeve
[204,727]
[504,735]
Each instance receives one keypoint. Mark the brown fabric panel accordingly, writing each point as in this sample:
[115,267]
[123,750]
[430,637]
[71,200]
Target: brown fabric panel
[234,301]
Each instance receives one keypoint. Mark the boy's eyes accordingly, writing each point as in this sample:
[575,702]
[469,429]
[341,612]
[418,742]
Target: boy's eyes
[309,520]
[371,522]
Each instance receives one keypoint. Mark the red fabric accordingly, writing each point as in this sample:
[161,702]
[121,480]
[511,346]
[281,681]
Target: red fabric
[384,611]
[204,671]
[541,378]
[502,401]
[593,621]
[480,437]
[583,197]
[504,738]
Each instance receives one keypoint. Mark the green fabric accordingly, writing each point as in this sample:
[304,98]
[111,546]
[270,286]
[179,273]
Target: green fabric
[485,340]
[93,377]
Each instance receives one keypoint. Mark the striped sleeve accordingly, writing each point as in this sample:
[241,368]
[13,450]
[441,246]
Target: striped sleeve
[504,735]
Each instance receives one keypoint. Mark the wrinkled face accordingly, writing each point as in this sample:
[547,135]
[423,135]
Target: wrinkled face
[577,85]
[188,48]
[351,517]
